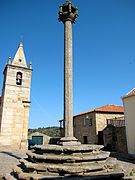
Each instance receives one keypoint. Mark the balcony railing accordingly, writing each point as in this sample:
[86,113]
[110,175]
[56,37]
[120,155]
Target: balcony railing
[118,122]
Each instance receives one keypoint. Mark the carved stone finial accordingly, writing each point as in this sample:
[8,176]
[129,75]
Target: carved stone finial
[30,66]
[68,12]
[9,60]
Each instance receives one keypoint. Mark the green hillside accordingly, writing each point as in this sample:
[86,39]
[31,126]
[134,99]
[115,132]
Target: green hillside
[53,131]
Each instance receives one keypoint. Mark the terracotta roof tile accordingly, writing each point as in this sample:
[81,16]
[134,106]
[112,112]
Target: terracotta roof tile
[107,108]
[110,108]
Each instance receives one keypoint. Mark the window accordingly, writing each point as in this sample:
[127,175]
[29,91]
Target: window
[87,121]
[19,78]
[90,123]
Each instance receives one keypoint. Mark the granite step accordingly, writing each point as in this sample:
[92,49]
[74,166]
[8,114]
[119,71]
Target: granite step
[20,175]
[66,168]
[68,158]
[66,149]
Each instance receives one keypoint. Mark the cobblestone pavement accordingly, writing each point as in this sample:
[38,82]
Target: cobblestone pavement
[10,158]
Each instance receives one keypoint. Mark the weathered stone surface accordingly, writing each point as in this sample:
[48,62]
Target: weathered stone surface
[68,149]
[69,158]
[37,176]
[64,168]
[92,176]
[84,160]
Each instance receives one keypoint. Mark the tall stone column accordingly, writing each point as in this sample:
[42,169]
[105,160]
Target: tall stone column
[67,14]
[68,106]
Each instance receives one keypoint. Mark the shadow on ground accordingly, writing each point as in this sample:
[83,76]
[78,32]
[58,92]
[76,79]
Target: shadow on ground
[123,157]
[11,154]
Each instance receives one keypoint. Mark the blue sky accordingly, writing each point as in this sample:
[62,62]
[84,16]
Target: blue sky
[103,53]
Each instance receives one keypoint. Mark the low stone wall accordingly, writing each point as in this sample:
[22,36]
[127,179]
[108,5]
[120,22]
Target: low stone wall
[115,139]
[121,142]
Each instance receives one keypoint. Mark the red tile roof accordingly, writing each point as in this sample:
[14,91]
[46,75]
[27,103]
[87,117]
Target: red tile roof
[109,108]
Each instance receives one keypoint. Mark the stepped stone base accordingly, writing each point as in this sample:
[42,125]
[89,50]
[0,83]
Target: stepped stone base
[68,162]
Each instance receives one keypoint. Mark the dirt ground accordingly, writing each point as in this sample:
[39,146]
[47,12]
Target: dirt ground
[10,158]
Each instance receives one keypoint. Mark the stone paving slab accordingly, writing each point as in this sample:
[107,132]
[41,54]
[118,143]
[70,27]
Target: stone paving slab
[8,160]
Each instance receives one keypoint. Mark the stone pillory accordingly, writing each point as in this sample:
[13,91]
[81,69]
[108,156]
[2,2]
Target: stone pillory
[68,14]
[72,160]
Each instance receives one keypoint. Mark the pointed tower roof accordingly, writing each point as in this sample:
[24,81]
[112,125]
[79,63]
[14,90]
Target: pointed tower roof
[19,59]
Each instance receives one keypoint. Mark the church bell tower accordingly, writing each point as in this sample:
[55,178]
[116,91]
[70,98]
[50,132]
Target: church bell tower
[15,102]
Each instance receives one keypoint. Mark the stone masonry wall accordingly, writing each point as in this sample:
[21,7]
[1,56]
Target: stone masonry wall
[89,124]
[121,141]
[101,120]
[84,125]
[115,138]
[15,108]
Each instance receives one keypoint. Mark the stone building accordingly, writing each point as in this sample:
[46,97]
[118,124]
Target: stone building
[114,135]
[42,139]
[129,108]
[39,138]
[88,126]
[15,102]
